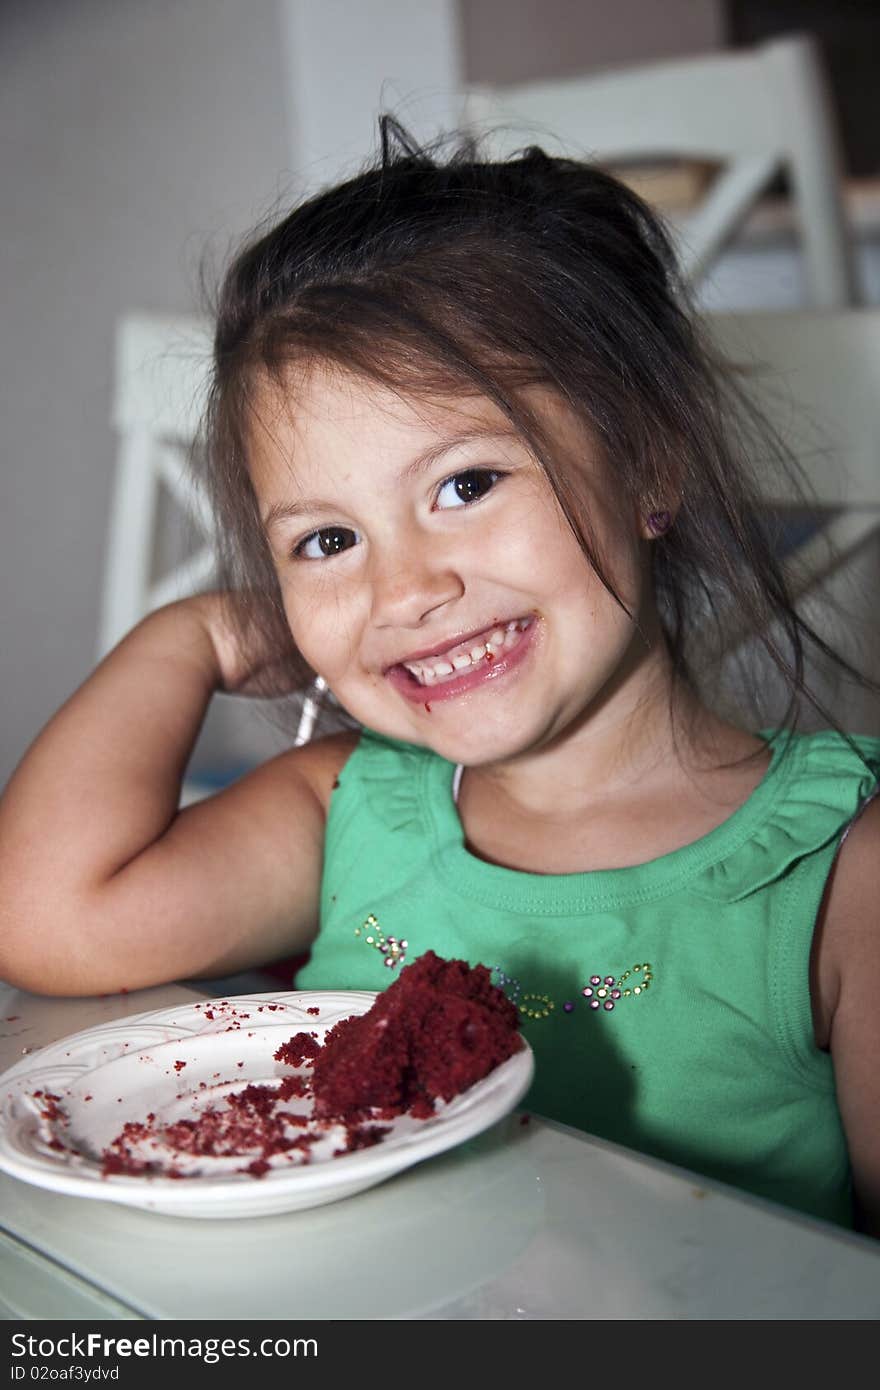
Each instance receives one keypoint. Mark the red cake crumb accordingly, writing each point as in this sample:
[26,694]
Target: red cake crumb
[248,1120]
[293,1086]
[123,1162]
[441,1027]
[51,1109]
[298,1050]
[259,1168]
[361,1137]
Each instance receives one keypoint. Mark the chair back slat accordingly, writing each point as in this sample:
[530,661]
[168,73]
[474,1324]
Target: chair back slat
[753,111]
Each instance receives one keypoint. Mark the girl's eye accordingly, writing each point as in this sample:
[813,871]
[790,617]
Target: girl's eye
[330,540]
[463,488]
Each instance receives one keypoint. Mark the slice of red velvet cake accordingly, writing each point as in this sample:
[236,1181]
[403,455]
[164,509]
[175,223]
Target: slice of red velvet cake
[441,1027]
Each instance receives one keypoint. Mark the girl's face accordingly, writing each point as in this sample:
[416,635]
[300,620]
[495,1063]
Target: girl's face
[428,573]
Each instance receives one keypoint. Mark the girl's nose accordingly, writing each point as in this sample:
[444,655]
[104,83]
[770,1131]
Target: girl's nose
[406,588]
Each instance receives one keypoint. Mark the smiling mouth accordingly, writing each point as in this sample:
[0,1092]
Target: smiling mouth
[470,657]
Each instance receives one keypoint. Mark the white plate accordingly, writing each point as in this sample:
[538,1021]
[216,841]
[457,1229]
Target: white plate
[174,1062]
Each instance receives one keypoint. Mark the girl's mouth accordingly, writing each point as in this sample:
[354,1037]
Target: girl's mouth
[465,667]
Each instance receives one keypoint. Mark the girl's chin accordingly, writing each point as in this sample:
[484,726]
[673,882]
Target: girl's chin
[463,738]
[474,744]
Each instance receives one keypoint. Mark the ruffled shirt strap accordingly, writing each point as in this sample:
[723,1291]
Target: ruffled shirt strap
[388,771]
[823,784]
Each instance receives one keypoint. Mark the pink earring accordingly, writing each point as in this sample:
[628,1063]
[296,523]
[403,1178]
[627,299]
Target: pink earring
[659,523]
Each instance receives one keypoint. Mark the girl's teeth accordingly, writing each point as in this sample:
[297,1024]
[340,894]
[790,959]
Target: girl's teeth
[501,639]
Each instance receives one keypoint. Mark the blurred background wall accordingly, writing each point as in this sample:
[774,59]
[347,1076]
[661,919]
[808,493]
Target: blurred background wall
[134,133]
[137,134]
[521,40]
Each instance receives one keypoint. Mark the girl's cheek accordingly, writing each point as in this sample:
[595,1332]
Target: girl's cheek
[304,635]
[300,630]
[323,628]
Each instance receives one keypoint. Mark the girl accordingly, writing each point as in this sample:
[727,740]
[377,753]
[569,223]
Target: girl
[472,466]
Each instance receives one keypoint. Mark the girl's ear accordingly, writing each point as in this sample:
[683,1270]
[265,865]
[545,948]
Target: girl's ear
[661,491]
[657,523]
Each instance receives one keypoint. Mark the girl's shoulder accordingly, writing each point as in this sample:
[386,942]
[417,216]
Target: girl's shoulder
[834,781]
[374,759]
[843,777]
[393,783]
[320,763]
[846,966]
[847,945]
[827,753]
[819,783]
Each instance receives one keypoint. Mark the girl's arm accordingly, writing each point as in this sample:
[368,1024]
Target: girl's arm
[848,971]
[104,884]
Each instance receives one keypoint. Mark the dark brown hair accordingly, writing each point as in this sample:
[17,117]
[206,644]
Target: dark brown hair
[435,271]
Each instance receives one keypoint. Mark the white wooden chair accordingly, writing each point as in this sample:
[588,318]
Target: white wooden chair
[161,374]
[755,111]
[815,375]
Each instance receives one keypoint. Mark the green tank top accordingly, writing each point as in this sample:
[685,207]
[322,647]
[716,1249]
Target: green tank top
[667,1004]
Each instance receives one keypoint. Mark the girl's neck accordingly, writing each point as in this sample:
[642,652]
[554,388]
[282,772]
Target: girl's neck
[639,726]
[638,777]
[628,820]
